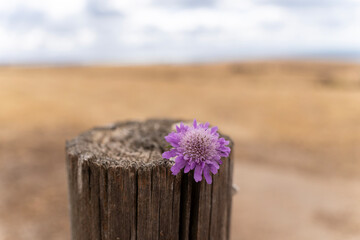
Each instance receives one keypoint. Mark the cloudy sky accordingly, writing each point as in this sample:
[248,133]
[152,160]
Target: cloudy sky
[167,31]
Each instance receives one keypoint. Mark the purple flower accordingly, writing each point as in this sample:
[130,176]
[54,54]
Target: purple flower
[196,147]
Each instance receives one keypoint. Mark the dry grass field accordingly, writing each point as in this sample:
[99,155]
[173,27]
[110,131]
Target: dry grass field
[296,127]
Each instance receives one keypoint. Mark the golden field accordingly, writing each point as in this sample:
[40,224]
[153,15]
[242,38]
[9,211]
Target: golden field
[296,127]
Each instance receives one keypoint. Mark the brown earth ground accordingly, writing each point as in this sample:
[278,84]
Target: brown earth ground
[296,126]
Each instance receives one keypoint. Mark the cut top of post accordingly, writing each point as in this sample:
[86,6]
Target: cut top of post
[125,144]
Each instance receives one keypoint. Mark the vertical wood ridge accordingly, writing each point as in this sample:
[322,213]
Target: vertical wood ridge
[194,211]
[210,214]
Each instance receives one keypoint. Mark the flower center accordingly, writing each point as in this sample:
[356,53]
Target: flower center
[199,145]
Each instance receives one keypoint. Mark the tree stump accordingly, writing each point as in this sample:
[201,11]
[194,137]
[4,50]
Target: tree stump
[121,188]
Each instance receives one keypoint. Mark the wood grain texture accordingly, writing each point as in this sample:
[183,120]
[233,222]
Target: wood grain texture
[121,188]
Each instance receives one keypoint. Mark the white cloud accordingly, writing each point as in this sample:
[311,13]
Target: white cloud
[54,9]
[176,30]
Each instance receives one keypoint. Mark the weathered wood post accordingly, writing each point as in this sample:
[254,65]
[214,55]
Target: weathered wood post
[121,188]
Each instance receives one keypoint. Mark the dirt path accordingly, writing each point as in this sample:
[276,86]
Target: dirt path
[283,204]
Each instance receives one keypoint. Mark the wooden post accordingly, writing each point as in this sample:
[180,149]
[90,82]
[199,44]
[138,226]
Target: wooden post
[121,188]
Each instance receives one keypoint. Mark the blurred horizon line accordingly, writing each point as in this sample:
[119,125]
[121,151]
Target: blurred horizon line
[350,58]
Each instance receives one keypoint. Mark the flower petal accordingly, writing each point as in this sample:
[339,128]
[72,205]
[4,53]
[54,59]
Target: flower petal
[187,168]
[174,139]
[182,128]
[219,161]
[169,154]
[207,175]
[213,163]
[179,164]
[195,123]
[213,168]
[224,151]
[198,173]
[214,129]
